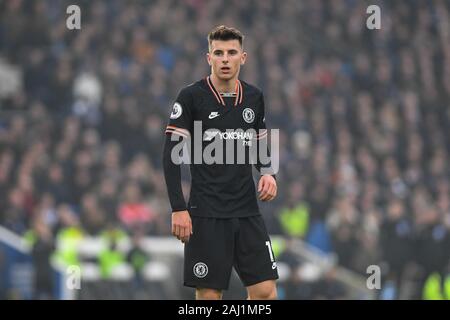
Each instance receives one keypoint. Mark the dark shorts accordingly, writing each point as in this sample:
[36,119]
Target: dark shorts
[218,245]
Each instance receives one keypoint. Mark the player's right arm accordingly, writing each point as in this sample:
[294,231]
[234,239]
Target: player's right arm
[177,131]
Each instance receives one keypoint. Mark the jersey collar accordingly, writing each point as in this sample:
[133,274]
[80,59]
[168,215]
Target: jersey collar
[238,90]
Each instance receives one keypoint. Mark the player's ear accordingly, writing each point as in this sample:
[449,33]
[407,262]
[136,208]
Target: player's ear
[208,58]
[243,58]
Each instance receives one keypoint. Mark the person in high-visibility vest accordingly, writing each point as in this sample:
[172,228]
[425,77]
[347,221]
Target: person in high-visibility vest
[294,221]
[435,288]
[68,238]
[111,256]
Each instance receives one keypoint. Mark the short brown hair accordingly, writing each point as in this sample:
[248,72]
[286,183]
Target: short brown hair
[225,33]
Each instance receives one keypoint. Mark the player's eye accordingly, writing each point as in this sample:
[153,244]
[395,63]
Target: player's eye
[232,52]
[218,53]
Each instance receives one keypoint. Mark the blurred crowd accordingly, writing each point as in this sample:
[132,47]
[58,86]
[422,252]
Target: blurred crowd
[364,118]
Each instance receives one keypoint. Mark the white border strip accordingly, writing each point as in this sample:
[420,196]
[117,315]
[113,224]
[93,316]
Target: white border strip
[13,240]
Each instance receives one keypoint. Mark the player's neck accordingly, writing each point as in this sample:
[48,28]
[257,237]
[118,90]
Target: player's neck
[223,86]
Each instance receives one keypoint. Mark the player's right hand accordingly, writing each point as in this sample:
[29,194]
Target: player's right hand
[182,225]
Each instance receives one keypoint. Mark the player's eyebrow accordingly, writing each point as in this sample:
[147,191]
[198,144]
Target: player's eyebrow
[219,51]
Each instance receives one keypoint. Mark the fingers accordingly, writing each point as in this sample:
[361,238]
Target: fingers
[265,192]
[173,230]
[182,233]
[187,232]
[269,192]
[182,227]
[261,185]
[177,231]
[275,192]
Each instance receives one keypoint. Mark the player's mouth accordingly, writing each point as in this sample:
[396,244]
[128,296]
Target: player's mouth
[225,69]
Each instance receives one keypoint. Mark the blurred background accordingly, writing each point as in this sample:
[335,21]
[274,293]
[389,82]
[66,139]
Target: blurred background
[364,144]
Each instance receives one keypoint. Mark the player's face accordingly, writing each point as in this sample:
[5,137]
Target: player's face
[225,58]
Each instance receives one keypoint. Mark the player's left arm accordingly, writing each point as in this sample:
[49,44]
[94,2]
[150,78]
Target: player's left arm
[267,185]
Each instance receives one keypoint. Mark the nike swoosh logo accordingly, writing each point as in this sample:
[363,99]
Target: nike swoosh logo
[213,115]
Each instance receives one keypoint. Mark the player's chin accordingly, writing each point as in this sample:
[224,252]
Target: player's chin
[226,76]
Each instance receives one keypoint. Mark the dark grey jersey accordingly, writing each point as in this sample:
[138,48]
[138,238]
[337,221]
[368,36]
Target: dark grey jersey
[224,188]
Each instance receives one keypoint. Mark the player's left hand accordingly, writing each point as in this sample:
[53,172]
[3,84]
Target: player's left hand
[267,188]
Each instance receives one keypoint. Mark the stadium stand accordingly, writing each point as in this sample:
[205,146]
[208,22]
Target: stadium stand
[365,141]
